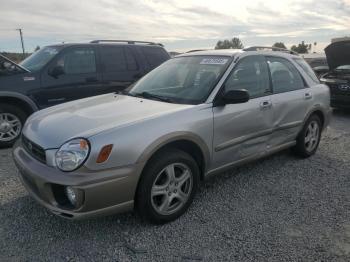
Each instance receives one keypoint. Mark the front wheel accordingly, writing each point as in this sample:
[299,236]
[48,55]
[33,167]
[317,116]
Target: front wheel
[12,120]
[167,186]
[309,137]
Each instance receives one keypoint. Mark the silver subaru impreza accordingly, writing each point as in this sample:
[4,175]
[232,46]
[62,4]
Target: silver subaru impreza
[192,117]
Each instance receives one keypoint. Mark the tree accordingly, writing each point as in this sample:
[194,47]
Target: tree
[37,48]
[234,43]
[279,45]
[301,48]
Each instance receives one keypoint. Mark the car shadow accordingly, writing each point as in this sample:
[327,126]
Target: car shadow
[341,112]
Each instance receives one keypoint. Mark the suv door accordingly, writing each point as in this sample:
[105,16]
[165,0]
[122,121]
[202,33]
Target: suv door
[242,130]
[78,75]
[291,100]
[119,68]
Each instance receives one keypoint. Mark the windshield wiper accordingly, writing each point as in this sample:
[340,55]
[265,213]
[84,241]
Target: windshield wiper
[152,96]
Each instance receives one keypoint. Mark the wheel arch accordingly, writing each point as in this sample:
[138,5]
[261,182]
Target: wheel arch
[18,99]
[187,142]
[320,113]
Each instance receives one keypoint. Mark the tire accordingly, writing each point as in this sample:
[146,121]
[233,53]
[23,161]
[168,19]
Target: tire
[10,115]
[308,140]
[159,193]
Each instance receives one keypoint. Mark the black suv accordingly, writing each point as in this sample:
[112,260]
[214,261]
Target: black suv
[338,78]
[61,73]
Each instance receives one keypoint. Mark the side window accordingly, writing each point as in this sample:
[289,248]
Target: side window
[285,77]
[78,61]
[130,60]
[302,63]
[113,59]
[250,73]
[155,55]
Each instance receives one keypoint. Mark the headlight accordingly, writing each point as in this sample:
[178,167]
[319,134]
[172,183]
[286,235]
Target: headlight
[72,154]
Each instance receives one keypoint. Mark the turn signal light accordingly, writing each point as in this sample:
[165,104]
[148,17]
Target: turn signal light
[104,154]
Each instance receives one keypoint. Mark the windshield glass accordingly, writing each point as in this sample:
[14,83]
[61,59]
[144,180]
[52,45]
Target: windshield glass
[40,58]
[185,80]
[343,67]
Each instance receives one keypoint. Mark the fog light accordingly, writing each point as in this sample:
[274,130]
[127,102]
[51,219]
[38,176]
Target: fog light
[72,195]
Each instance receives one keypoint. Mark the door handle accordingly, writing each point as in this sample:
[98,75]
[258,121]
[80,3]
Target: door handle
[265,104]
[308,96]
[91,79]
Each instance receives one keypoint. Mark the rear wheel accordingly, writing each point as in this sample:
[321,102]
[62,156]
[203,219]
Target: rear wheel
[167,186]
[309,137]
[12,120]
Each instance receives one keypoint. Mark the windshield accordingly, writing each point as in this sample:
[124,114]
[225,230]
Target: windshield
[185,80]
[343,68]
[39,59]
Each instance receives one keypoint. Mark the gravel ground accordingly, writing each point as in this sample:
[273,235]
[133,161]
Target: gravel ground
[278,209]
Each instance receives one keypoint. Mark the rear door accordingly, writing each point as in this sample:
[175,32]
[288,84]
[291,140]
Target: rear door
[79,77]
[119,68]
[291,100]
[243,130]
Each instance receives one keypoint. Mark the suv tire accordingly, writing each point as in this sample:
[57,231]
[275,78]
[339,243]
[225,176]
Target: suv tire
[12,120]
[309,137]
[167,186]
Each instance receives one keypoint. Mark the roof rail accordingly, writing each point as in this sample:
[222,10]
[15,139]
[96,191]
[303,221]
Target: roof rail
[272,48]
[130,42]
[196,50]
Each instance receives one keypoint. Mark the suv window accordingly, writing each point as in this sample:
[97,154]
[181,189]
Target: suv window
[78,61]
[130,60]
[305,66]
[251,74]
[113,58]
[154,55]
[285,77]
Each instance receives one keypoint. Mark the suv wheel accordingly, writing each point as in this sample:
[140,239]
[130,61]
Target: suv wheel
[309,137]
[11,122]
[167,186]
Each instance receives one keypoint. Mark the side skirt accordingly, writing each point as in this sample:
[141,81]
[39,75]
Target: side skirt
[249,159]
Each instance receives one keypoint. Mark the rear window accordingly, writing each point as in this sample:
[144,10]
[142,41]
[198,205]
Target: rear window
[113,59]
[155,55]
[305,66]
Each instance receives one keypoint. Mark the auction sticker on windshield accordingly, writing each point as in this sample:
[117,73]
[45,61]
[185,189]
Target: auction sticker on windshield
[214,61]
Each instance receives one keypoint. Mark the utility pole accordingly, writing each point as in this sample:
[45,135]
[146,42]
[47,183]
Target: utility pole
[21,35]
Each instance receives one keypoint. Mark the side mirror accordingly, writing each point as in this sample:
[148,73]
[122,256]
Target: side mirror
[56,71]
[233,97]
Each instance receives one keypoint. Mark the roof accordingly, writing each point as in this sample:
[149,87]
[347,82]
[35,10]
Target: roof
[214,52]
[109,42]
[233,52]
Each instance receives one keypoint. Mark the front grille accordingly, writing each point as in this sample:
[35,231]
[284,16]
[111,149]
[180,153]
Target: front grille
[338,89]
[34,150]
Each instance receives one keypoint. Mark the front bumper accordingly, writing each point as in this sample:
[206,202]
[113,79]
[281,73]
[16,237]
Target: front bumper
[104,192]
[339,97]
[341,101]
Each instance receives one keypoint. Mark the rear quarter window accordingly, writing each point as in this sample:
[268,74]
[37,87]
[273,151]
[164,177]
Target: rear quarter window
[307,69]
[155,55]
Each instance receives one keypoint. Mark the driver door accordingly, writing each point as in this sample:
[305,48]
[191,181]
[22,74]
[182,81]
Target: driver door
[243,130]
[77,80]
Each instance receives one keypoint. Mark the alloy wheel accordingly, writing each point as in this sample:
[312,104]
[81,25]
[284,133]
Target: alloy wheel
[10,127]
[312,136]
[171,188]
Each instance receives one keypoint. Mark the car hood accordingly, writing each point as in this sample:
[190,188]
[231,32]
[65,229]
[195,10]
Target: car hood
[338,54]
[52,127]
[11,67]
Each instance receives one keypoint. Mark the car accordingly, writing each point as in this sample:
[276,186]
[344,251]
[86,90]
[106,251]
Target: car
[318,63]
[61,73]
[194,116]
[338,78]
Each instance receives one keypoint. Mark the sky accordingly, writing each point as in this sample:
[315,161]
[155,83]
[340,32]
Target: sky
[180,25]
